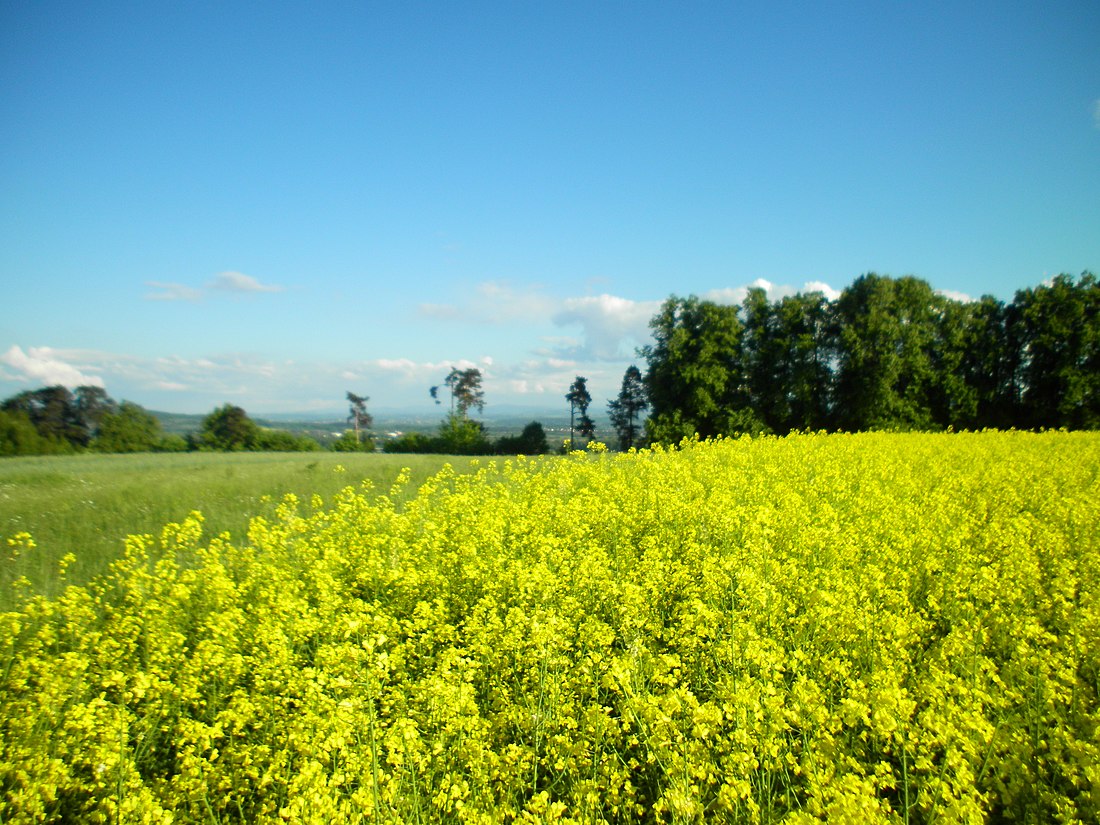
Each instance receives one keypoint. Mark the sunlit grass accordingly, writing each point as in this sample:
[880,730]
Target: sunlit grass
[87,504]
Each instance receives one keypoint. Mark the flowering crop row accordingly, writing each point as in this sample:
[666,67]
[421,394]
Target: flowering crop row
[873,628]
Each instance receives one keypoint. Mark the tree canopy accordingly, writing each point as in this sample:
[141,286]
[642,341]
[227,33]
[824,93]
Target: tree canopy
[888,353]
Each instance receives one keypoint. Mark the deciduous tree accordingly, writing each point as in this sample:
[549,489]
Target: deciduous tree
[130,429]
[694,380]
[1060,330]
[885,335]
[228,428]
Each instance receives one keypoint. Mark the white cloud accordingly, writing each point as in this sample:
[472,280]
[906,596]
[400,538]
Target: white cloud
[239,282]
[48,366]
[954,295]
[171,292]
[1096,113]
[236,282]
[613,327]
[734,296]
[823,288]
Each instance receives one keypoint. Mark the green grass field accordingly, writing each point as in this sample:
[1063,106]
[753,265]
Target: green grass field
[87,504]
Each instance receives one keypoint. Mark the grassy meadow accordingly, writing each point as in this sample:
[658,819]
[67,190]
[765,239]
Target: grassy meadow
[874,628]
[87,504]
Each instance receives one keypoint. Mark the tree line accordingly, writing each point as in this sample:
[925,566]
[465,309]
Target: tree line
[54,420]
[888,353]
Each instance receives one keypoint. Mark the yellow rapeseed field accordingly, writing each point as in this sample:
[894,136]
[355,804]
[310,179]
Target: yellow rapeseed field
[842,628]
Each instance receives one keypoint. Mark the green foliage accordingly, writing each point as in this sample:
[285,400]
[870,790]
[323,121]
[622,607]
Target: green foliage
[532,441]
[91,405]
[625,410]
[459,435]
[58,415]
[884,372]
[579,399]
[889,353]
[18,436]
[351,442]
[228,428]
[694,377]
[786,353]
[284,442]
[1060,325]
[173,443]
[129,430]
[413,443]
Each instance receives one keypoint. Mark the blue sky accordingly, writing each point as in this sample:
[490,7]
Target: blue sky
[271,204]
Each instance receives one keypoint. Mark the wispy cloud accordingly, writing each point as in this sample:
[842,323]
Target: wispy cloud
[1096,113]
[49,366]
[239,282]
[495,302]
[224,282]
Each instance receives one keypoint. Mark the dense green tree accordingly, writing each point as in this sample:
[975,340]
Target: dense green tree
[129,429]
[92,404]
[625,410]
[459,435]
[414,443]
[885,335]
[532,441]
[952,395]
[173,443]
[889,353]
[802,325]
[694,380]
[283,441]
[762,352]
[228,428]
[349,442]
[1060,330]
[978,367]
[53,412]
[18,436]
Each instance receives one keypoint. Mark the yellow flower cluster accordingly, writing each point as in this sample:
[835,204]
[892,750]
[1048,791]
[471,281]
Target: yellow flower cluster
[842,628]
